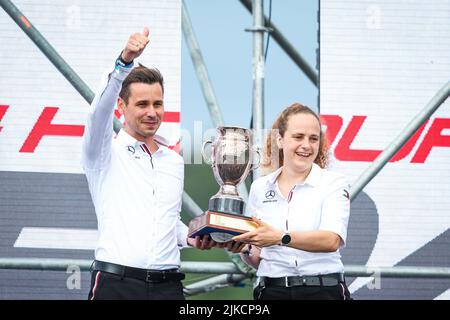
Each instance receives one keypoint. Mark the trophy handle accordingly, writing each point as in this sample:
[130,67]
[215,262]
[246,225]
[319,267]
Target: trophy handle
[207,159]
[254,167]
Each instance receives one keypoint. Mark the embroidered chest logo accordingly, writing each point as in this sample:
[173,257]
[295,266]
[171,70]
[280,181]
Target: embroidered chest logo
[132,151]
[270,196]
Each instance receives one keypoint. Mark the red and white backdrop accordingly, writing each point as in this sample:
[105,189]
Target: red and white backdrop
[381,61]
[42,116]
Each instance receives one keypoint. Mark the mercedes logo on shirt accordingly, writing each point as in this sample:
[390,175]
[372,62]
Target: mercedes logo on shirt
[270,194]
[132,151]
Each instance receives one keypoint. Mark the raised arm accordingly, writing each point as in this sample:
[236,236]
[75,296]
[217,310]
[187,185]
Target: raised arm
[98,133]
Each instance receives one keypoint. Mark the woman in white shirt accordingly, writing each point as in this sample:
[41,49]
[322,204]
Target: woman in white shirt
[302,213]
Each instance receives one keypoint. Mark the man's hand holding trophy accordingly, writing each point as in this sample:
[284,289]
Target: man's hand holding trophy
[231,159]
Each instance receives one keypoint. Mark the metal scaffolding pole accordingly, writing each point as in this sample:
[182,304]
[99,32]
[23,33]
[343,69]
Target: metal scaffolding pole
[399,141]
[398,272]
[203,78]
[209,267]
[44,264]
[56,264]
[190,207]
[258,30]
[200,68]
[310,72]
[213,283]
[62,66]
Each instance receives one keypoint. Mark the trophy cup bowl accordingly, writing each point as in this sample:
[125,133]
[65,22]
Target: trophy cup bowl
[231,161]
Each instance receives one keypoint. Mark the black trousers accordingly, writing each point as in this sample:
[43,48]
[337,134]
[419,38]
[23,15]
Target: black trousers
[339,292]
[108,286]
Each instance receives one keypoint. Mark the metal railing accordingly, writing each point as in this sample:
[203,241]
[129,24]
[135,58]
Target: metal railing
[46,264]
[227,273]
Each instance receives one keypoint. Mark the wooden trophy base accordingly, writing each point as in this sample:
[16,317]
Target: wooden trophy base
[212,222]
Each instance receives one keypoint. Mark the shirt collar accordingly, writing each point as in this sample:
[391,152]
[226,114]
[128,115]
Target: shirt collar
[125,139]
[313,178]
[272,177]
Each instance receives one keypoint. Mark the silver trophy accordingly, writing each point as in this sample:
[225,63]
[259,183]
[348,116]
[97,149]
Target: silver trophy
[231,160]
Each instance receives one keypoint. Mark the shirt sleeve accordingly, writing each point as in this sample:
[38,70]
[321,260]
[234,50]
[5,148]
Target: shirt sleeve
[182,234]
[336,208]
[98,133]
[182,229]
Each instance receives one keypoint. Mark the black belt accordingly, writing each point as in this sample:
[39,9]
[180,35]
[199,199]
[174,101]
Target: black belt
[151,276]
[327,280]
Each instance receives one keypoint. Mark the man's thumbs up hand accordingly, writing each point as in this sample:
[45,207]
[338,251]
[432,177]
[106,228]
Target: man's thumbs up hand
[146,32]
[135,45]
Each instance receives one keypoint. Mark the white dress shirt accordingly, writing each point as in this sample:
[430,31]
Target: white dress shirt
[320,203]
[137,195]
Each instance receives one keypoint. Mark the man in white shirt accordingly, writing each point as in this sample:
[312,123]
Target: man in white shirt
[136,184]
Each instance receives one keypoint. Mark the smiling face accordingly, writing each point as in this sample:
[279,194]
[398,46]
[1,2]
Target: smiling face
[144,110]
[300,142]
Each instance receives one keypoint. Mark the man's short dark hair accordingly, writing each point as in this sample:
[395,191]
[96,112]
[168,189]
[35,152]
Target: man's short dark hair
[140,74]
